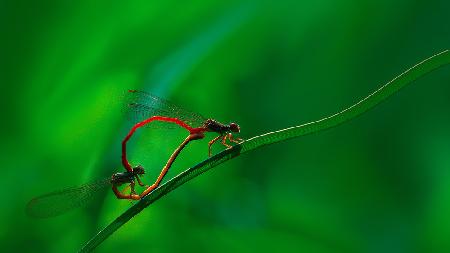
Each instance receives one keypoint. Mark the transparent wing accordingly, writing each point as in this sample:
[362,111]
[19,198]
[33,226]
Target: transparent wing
[59,202]
[141,105]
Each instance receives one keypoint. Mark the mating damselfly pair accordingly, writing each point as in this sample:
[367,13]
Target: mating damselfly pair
[145,108]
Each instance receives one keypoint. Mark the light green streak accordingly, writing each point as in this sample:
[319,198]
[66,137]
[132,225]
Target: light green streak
[420,69]
[168,73]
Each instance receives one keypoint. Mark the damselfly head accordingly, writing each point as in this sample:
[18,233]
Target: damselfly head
[235,128]
[139,170]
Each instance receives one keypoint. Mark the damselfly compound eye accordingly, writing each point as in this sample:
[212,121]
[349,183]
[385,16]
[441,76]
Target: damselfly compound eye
[235,128]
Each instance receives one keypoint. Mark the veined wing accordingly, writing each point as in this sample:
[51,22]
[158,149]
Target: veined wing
[141,105]
[59,202]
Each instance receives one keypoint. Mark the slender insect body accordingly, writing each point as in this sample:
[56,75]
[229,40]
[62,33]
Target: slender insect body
[121,178]
[118,179]
[59,202]
[215,126]
[149,108]
[127,177]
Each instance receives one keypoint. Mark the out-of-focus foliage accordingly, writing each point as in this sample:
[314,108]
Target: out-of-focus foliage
[380,183]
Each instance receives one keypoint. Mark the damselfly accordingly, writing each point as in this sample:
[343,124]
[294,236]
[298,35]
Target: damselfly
[62,201]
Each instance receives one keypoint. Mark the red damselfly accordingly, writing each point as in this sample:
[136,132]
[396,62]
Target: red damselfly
[147,108]
[62,201]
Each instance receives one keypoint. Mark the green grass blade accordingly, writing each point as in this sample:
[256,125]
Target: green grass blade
[351,112]
[355,110]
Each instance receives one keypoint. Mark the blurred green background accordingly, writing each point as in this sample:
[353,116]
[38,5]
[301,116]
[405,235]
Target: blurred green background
[380,183]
